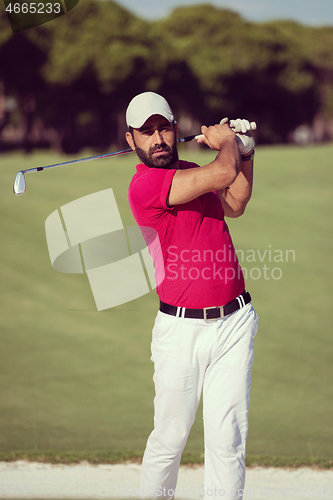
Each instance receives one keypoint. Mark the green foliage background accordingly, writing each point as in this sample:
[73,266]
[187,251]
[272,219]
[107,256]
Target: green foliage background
[78,72]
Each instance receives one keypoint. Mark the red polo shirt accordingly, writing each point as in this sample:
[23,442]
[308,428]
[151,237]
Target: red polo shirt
[200,263]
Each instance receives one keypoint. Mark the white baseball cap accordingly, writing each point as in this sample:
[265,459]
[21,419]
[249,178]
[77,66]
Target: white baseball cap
[145,105]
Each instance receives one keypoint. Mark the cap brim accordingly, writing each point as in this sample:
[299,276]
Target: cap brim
[141,120]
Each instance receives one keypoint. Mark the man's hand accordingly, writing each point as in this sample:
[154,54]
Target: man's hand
[221,173]
[245,140]
[242,129]
[215,135]
[245,143]
[236,197]
[242,125]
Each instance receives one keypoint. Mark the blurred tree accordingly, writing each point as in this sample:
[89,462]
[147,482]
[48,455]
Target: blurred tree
[83,69]
[101,56]
[21,61]
[261,71]
[77,73]
[319,43]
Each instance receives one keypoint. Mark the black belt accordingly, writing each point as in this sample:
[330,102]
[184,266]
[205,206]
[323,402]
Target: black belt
[207,313]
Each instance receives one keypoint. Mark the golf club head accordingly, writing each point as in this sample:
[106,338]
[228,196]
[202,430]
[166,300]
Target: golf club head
[19,183]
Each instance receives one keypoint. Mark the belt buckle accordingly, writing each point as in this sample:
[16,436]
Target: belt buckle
[213,319]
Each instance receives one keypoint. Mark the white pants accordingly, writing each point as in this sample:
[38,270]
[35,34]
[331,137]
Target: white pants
[190,355]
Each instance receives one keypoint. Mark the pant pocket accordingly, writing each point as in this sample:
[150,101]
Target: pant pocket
[255,324]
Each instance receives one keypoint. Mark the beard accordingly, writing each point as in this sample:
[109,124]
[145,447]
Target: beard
[164,161]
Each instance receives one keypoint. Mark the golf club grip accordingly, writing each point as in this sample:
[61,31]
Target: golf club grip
[253,126]
[186,139]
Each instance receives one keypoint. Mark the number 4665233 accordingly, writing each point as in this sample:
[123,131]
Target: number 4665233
[33,8]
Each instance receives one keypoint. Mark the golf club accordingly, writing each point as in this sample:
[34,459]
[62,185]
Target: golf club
[19,185]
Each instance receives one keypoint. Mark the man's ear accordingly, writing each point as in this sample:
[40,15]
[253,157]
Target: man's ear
[129,139]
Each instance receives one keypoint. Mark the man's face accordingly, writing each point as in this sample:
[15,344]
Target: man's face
[155,142]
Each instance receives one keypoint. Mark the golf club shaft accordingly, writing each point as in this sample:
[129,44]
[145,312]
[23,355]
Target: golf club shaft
[89,158]
[20,184]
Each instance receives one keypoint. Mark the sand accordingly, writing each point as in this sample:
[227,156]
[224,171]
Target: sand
[84,481]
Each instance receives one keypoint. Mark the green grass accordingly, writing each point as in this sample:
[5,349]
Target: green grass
[74,380]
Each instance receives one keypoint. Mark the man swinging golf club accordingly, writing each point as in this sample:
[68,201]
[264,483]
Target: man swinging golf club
[203,333]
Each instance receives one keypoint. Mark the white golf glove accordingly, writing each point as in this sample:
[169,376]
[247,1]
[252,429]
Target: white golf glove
[244,138]
[240,125]
[242,128]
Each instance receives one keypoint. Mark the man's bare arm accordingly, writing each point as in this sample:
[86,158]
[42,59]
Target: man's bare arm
[217,175]
[235,197]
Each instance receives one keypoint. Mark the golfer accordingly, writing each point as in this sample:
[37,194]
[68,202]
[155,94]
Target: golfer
[203,334]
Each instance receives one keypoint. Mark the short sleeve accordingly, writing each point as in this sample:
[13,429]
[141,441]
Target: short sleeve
[149,190]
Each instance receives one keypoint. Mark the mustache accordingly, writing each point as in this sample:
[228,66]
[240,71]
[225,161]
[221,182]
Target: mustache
[160,147]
